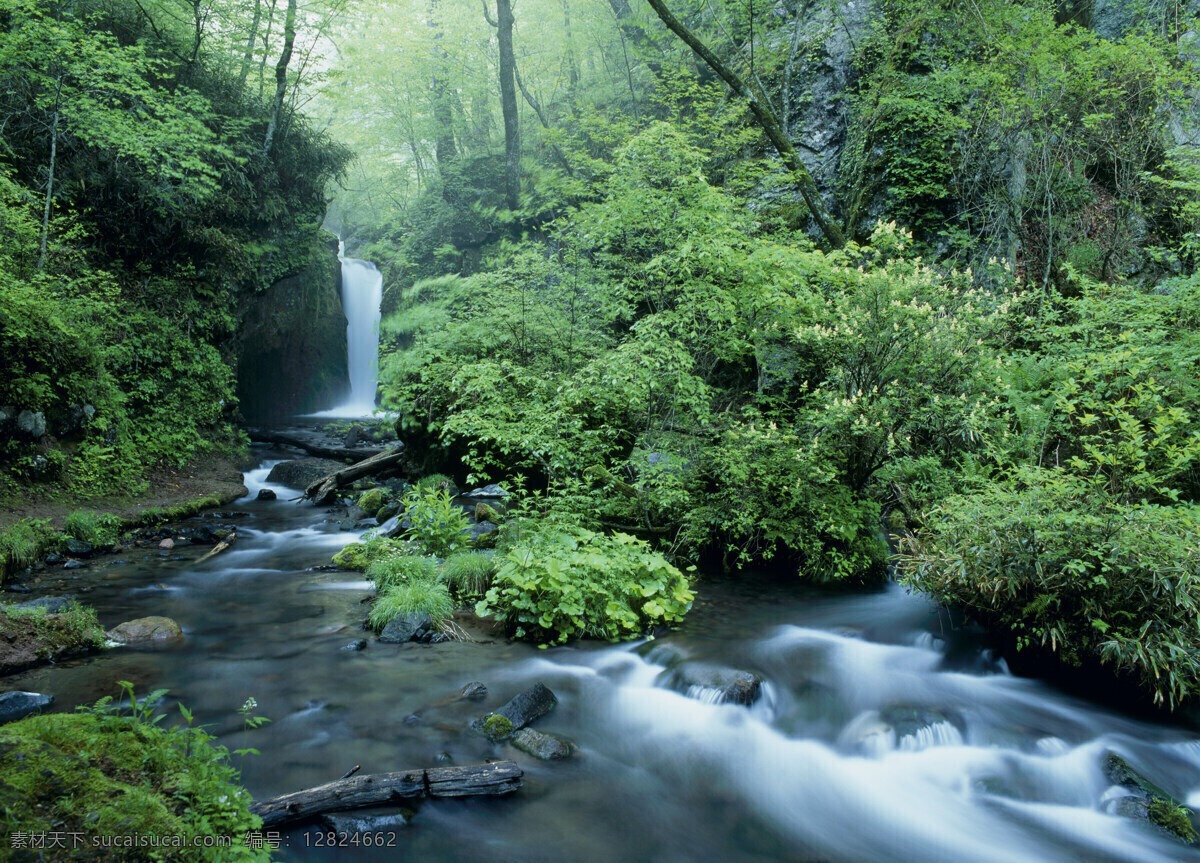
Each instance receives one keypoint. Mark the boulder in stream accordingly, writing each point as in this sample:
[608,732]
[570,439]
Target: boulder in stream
[18,705]
[1146,800]
[524,709]
[414,626]
[714,684]
[542,746]
[150,628]
[474,691]
[302,472]
[266,494]
[79,548]
[52,604]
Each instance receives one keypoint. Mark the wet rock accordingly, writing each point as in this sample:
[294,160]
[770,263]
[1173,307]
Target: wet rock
[266,494]
[921,727]
[18,705]
[167,543]
[390,528]
[1147,801]
[492,490]
[365,523]
[714,684]
[525,709]
[361,644]
[443,758]
[482,529]
[353,824]
[205,535]
[407,627]
[542,746]
[356,512]
[75,564]
[346,524]
[79,548]
[52,604]
[145,629]
[474,691]
[388,510]
[54,558]
[300,473]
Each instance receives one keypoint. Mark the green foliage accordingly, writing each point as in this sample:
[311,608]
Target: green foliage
[127,775]
[396,569]
[76,629]
[21,544]
[563,582]
[468,574]
[92,527]
[360,555]
[419,595]
[497,728]
[438,525]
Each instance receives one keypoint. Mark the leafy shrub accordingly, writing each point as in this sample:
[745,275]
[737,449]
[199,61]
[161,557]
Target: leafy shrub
[432,482]
[437,524]
[419,595]
[396,569]
[92,527]
[468,573]
[1059,562]
[565,582]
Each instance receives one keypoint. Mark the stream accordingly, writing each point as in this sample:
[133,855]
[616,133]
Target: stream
[879,736]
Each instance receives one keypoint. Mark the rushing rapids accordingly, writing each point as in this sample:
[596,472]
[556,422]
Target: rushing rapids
[877,735]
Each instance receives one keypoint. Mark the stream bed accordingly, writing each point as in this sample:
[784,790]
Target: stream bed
[878,736]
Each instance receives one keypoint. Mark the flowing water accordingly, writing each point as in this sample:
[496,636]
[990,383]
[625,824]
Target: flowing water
[879,736]
[362,293]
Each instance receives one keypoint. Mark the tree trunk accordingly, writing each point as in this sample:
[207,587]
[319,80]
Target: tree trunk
[49,187]
[356,792]
[289,39]
[508,105]
[445,150]
[767,120]
[248,56]
[572,63]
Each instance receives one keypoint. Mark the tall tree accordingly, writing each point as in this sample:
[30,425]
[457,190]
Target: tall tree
[508,102]
[766,119]
[289,39]
[442,109]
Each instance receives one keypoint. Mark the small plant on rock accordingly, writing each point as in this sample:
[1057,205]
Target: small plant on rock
[412,597]
[468,573]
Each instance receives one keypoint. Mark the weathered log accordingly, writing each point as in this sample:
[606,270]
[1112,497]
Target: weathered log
[219,547]
[374,789]
[338,452]
[323,490]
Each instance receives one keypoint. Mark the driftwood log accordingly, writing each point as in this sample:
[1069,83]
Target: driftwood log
[323,490]
[219,547]
[375,789]
[338,452]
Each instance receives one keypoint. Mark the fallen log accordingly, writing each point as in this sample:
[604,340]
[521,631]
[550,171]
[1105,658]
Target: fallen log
[338,452]
[219,547]
[374,789]
[323,490]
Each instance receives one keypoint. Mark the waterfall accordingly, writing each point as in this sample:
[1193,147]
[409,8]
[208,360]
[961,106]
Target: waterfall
[362,293]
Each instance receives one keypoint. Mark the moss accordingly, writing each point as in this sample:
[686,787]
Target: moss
[353,556]
[372,500]
[101,775]
[484,512]
[1173,818]
[497,727]
[33,637]
[434,481]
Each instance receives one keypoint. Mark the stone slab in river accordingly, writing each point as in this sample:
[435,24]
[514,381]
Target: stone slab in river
[145,629]
[18,705]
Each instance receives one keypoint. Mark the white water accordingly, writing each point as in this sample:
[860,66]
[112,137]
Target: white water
[362,293]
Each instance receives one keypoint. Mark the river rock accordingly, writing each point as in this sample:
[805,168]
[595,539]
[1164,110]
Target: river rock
[167,543]
[388,510]
[204,535]
[714,684]
[75,564]
[414,626]
[145,629]
[361,644]
[480,530]
[347,524]
[52,604]
[299,473]
[266,494]
[474,691]
[542,746]
[390,528]
[525,709]
[79,548]
[18,705]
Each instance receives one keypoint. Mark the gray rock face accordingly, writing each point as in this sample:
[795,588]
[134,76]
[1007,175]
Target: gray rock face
[300,472]
[488,491]
[18,705]
[713,684]
[32,423]
[474,691]
[403,628]
[530,706]
[543,746]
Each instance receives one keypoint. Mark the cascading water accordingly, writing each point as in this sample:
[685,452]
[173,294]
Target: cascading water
[362,293]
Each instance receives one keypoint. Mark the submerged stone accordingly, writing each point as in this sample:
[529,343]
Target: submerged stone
[524,709]
[715,684]
[543,746]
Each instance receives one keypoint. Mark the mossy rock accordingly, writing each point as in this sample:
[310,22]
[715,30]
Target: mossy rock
[353,556]
[372,500]
[484,512]
[107,775]
[497,728]
[1172,817]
